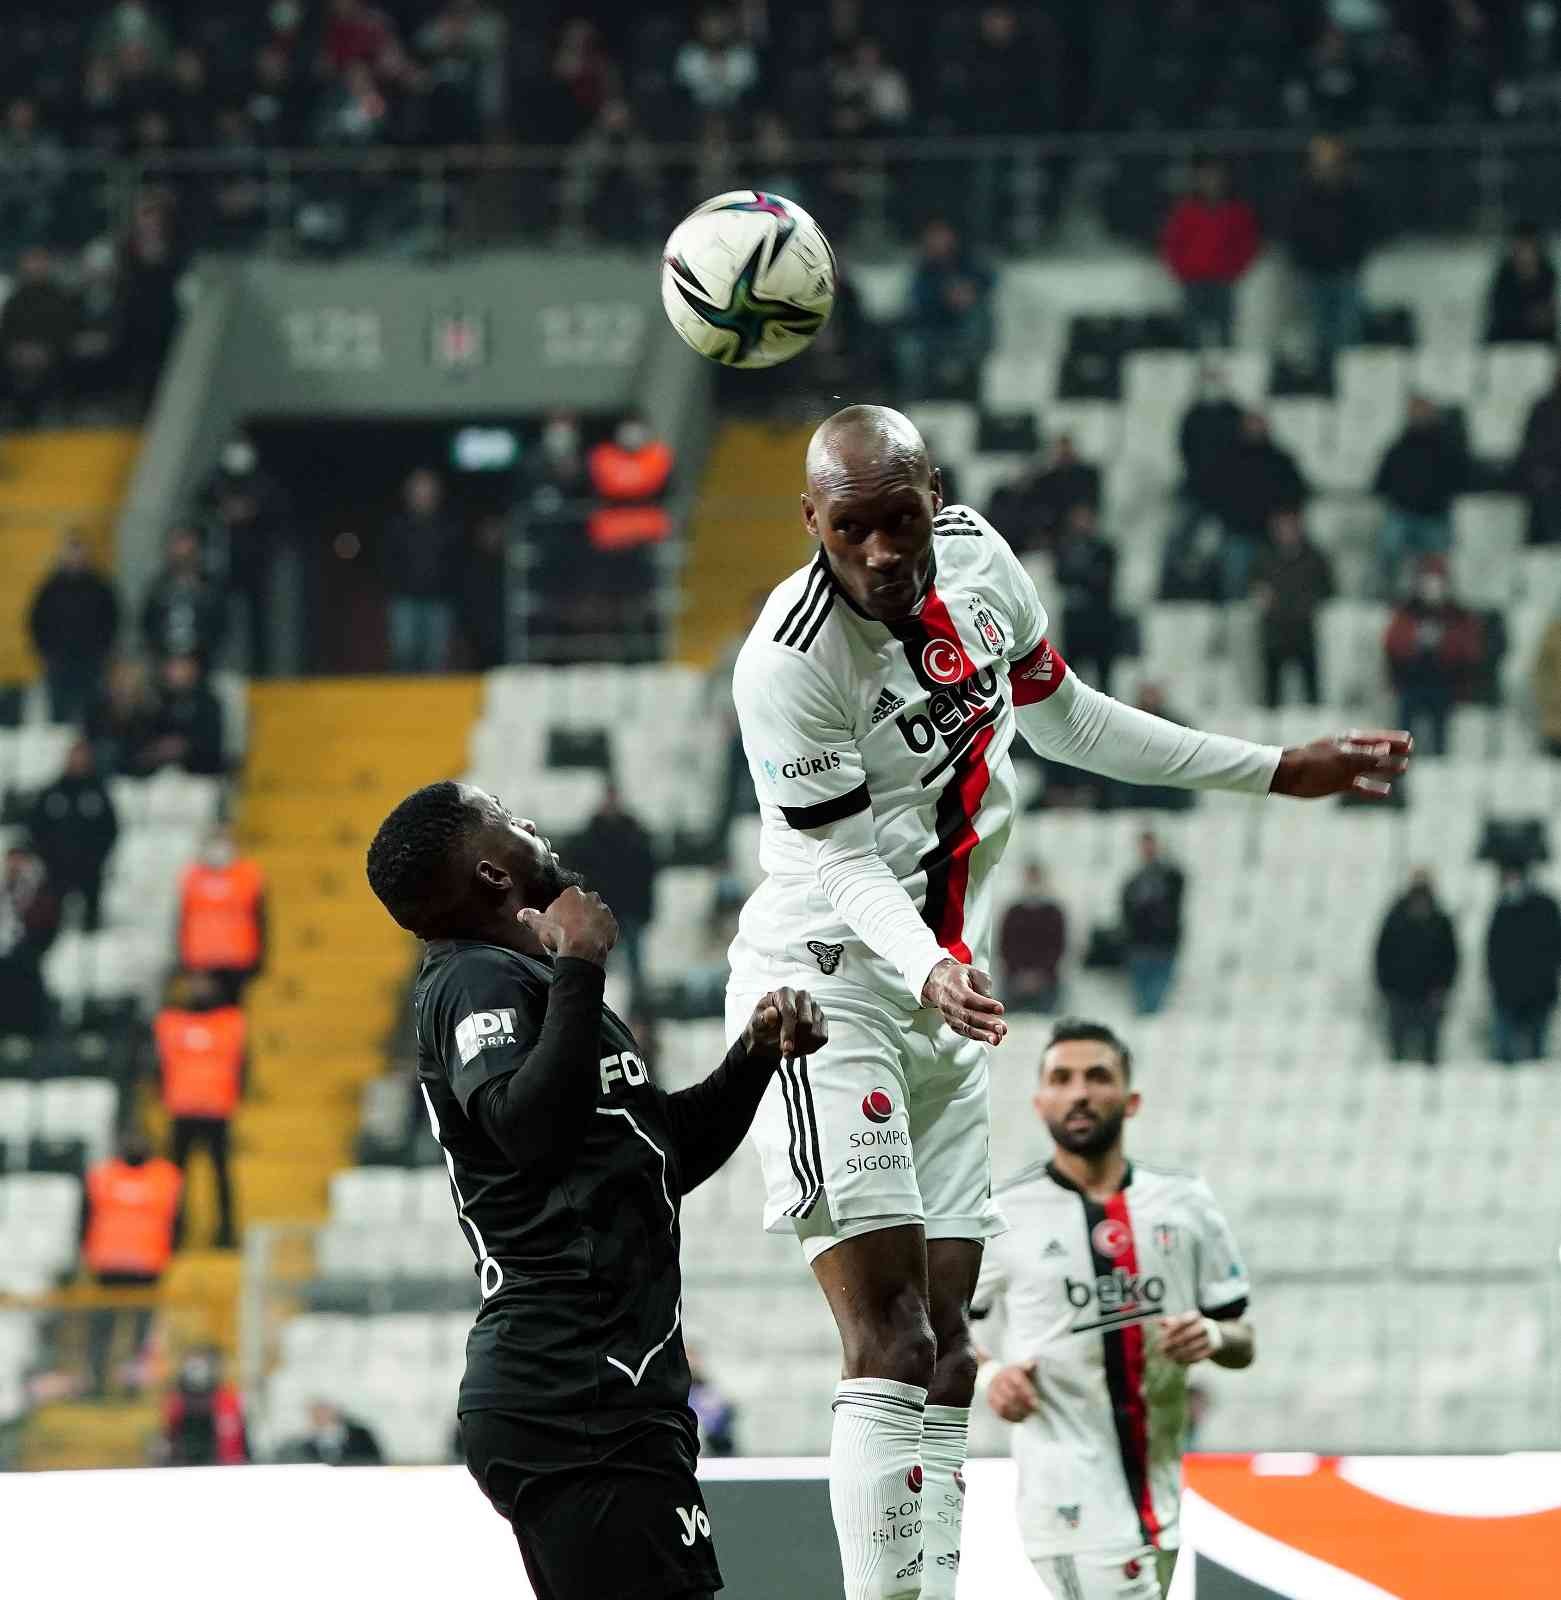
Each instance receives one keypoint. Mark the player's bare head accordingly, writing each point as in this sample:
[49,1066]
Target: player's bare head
[1086,1087]
[452,862]
[871,496]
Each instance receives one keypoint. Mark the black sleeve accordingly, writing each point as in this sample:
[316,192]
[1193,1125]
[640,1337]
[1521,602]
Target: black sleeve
[707,1122]
[537,1102]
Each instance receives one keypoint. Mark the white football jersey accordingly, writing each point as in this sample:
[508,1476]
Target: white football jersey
[1080,1287]
[912,720]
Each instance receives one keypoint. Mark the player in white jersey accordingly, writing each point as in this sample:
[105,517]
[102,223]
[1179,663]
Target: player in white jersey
[1112,1280]
[878,696]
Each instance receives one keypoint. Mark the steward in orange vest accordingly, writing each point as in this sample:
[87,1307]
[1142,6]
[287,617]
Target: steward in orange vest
[629,475]
[132,1212]
[201,1052]
[222,915]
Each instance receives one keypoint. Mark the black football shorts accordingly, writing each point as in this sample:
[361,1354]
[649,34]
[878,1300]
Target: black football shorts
[602,1509]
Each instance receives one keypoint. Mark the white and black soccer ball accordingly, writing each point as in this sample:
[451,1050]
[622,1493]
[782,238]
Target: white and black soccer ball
[748,279]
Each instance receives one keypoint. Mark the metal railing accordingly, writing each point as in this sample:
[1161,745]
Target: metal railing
[1009,193]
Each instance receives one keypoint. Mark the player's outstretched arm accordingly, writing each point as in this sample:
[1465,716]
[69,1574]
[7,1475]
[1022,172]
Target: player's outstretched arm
[538,1114]
[1366,762]
[709,1120]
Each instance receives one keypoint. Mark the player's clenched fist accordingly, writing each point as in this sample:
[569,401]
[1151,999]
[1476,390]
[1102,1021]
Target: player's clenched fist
[786,1022]
[964,995]
[1013,1394]
[578,923]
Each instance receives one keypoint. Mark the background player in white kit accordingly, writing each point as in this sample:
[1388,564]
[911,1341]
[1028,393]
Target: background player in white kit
[878,696]
[1113,1278]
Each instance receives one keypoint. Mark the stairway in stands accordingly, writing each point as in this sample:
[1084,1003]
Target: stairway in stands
[745,536]
[51,481]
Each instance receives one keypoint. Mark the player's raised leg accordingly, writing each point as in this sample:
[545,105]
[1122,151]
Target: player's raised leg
[953,1266]
[876,1286]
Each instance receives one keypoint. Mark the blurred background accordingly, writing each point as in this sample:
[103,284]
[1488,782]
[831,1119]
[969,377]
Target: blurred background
[343,447]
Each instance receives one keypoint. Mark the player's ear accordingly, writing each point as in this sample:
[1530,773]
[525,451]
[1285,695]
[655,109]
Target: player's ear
[1132,1103]
[494,877]
[809,517]
[937,491]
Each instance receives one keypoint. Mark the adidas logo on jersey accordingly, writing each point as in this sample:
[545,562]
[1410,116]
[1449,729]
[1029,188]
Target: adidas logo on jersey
[1053,1250]
[1043,670]
[888,703]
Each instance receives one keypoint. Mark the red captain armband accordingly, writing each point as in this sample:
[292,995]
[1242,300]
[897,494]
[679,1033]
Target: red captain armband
[1037,676]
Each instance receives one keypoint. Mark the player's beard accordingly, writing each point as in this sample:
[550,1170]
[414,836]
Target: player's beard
[551,881]
[1101,1135]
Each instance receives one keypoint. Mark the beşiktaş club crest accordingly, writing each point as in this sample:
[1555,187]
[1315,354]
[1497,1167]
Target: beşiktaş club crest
[458,340]
[1165,1238]
[986,624]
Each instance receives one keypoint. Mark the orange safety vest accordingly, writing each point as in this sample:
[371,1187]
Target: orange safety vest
[130,1216]
[631,480]
[201,1054]
[219,920]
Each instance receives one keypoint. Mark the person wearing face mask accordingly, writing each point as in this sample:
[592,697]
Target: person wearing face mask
[1420,474]
[1523,961]
[630,476]
[222,915]
[1432,644]
[203,1415]
[202,1046]
[1417,965]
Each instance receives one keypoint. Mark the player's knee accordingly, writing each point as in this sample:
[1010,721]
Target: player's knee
[893,1339]
[954,1375]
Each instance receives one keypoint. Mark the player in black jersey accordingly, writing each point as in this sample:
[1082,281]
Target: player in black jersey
[566,1166]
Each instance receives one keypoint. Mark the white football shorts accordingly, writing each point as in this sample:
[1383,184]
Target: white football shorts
[1141,1574]
[888,1124]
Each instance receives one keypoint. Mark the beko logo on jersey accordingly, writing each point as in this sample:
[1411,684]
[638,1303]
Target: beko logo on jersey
[476,1033]
[626,1067]
[810,766]
[1114,1299]
[949,711]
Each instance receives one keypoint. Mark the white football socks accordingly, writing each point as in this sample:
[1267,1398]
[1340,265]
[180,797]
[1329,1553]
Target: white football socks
[943,1433]
[875,1487]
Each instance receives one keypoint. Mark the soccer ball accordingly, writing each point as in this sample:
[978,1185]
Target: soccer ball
[748,279]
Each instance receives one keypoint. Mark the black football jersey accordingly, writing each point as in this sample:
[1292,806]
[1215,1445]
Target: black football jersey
[579,1277]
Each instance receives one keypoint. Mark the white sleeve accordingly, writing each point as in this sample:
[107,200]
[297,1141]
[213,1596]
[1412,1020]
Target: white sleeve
[1065,719]
[991,1286]
[1223,1286]
[804,757]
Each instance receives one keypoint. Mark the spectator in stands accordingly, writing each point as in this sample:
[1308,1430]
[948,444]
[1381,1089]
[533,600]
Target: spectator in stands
[716,69]
[29,920]
[33,176]
[706,972]
[1031,944]
[185,729]
[1522,303]
[1087,577]
[1152,925]
[485,593]
[1537,470]
[189,106]
[1210,240]
[1417,965]
[713,1410]
[1523,962]
[334,1440]
[184,612]
[73,621]
[1259,480]
[151,262]
[279,105]
[584,78]
[203,1415]
[129,1212]
[1002,77]
[631,478]
[1334,88]
[1420,473]
[1432,645]
[73,826]
[1330,231]
[463,49]
[202,1056]
[358,35]
[38,326]
[1292,580]
[246,515]
[618,858]
[1547,685]
[947,329]
[222,915]
[868,96]
[421,554]
[130,26]
[119,718]
[1208,439]
[1031,510]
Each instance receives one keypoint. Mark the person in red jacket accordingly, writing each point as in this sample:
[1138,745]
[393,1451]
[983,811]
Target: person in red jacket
[1210,240]
[1432,644]
[203,1415]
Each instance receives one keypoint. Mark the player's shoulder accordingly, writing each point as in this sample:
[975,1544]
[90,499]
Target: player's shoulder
[1032,1179]
[470,968]
[796,613]
[1172,1183]
[968,547]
